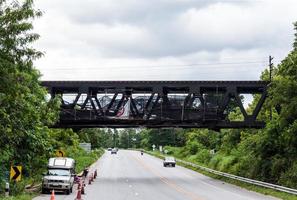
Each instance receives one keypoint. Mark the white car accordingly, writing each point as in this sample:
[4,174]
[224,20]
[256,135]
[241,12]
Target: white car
[169,161]
[114,151]
[60,175]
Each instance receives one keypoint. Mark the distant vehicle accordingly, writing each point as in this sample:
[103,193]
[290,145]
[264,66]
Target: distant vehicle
[114,151]
[169,161]
[60,175]
[109,149]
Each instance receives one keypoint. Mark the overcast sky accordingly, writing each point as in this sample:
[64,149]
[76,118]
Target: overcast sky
[162,39]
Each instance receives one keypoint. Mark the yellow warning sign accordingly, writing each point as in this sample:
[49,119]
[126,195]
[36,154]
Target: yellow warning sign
[60,153]
[15,173]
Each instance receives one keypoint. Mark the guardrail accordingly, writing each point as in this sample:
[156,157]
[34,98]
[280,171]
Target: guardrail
[242,179]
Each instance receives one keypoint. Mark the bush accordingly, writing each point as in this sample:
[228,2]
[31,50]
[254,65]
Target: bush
[289,178]
[204,156]
[243,166]
[214,161]
[193,147]
[83,158]
[226,162]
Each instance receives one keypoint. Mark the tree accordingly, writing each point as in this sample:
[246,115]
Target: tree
[24,110]
[98,137]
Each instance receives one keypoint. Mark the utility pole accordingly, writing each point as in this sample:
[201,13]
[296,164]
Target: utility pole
[114,142]
[270,79]
[270,68]
[128,139]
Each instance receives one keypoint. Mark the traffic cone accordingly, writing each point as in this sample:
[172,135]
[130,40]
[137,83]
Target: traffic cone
[78,185]
[82,189]
[91,176]
[53,195]
[95,173]
[90,181]
[78,196]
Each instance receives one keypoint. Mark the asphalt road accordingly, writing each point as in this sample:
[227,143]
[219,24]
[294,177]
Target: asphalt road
[130,176]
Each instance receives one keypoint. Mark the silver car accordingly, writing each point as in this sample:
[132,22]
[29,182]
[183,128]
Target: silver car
[169,161]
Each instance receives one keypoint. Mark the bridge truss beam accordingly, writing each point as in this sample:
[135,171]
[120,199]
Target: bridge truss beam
[156,104]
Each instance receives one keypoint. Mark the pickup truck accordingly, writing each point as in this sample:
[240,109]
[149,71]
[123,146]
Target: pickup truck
[59,176]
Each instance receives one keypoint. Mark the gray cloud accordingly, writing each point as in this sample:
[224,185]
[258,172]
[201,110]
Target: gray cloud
[142,33]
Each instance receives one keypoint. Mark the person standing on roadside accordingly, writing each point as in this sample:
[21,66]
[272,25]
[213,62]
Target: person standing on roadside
[85,172]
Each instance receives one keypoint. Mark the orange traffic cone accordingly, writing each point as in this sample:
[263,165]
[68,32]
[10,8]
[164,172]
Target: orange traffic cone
[82,189]
[78,197]
[53,195]
[90,180]
[92,176]
[78,185]
[95,173]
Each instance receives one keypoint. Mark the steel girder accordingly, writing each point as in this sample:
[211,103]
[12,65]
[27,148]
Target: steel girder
[156,104]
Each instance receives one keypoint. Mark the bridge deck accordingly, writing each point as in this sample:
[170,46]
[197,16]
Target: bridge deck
[186,104]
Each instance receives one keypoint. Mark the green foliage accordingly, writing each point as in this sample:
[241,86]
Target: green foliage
[269,154]
[98,137]
[289,177]
[24,110]
[82,158]
[19,197]
[25,114]
[193,147]
[163,137]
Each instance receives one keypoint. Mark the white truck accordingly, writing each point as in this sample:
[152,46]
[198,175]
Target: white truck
[60,175]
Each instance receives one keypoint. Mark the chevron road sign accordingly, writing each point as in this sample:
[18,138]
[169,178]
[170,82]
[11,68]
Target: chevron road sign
[15,173]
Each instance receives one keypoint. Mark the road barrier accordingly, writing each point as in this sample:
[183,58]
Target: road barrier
[242,179]
[239,178]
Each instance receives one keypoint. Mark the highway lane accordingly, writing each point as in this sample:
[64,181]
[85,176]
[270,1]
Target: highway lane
[130,176]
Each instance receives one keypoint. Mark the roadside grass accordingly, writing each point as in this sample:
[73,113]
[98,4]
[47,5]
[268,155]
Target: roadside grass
[20,197]
[82,158]
[259,189]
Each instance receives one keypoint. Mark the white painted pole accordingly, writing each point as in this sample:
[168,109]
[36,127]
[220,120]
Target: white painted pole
[7,189]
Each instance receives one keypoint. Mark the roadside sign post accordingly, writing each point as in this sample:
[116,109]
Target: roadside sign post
[15,173]
[86,146]
[60,153]
[212,151]
[154,146]
[6,189]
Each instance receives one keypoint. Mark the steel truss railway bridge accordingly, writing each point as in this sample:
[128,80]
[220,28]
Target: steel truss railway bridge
[156,104]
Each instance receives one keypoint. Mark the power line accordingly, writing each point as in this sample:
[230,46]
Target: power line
[213,65]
